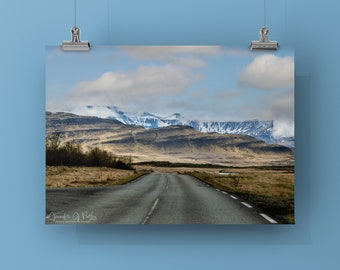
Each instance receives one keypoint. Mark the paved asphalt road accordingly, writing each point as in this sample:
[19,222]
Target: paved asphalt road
[157,198]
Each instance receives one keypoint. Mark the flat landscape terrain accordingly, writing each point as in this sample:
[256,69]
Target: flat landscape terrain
[259,174]
[173,143]
[156,198]
[269,189]
[63,176]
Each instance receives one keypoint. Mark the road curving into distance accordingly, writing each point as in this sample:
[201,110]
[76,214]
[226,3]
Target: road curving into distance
[157,198]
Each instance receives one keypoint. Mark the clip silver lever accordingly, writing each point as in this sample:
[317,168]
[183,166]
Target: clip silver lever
[75,44]
[264,43]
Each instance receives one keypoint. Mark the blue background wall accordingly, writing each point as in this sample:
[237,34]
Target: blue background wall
[311,27]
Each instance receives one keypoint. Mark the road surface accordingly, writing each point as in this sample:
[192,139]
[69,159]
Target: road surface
[157,198]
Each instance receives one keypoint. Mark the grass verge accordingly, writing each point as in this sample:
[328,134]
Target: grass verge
[62,176]
[270,190]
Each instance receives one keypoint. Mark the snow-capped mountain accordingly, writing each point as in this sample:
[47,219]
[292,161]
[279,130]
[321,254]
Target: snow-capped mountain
[262,130]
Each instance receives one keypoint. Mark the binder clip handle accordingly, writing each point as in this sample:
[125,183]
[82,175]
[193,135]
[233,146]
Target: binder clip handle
[264,43]
[75,44]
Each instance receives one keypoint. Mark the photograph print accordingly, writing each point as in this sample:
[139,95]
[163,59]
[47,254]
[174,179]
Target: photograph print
[169,135]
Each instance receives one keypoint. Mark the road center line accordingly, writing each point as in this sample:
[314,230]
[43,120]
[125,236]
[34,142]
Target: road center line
[268,218]
[151,211]
[235,198]
[166,184]
[224,192]
[246,204]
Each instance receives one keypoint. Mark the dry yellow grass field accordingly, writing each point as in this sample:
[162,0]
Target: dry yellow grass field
[62,176]
[271,190]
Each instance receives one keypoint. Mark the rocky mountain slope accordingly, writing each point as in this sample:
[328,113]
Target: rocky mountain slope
[176,143]
[262,130]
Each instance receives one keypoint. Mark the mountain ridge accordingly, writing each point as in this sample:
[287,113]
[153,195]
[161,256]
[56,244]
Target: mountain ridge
[262,130]
[175,143]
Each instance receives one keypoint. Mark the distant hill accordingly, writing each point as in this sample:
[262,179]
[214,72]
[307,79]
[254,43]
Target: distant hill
[176,143]
[262,130]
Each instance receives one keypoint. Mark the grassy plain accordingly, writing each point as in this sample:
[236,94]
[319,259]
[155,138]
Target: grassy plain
[269,188]
[62,176]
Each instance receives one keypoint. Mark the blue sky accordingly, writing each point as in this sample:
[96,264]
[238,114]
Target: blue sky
[200,82]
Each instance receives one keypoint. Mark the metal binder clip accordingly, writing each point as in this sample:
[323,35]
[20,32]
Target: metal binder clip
[75,44]
[264,43]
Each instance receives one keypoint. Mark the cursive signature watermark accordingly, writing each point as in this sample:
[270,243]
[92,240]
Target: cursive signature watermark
[76,217]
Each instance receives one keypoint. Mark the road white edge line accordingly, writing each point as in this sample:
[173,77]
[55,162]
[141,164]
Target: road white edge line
[246,204]
[224,192]
[235,198]
[151,211]
[268,218]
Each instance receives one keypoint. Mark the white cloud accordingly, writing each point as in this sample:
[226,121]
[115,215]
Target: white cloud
[170,54]
[236,52]
[143,88]
[272,105]
[280,108]
[283,128]
[189,62]
[269,72]
[183,56]
[282,111]
[164,53]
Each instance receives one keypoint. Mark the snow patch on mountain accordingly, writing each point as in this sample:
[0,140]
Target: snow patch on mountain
[262,130]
